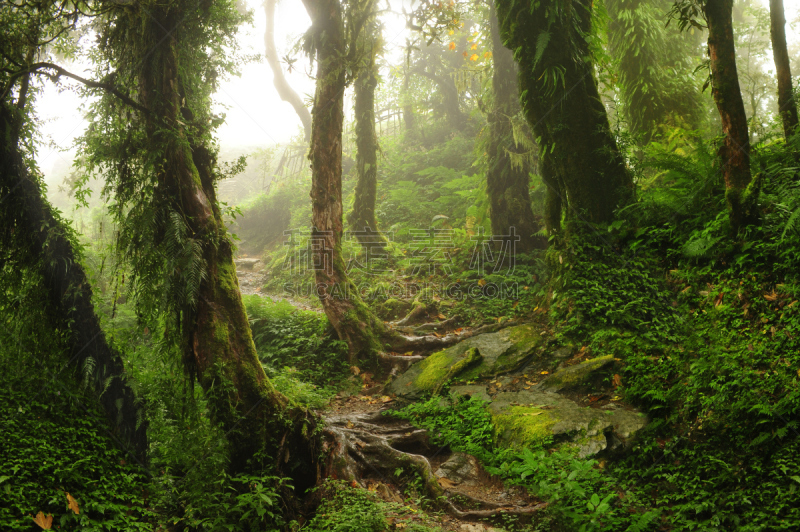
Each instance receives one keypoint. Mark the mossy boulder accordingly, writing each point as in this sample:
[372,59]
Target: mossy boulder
[586,373]
[485,355]
[532,418]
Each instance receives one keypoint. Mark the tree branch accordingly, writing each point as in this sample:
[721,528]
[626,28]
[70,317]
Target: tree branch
[111,89]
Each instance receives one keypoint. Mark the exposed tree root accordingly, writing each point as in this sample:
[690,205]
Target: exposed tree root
[368,446]
[400,342]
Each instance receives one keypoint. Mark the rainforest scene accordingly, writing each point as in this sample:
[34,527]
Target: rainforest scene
[399,265]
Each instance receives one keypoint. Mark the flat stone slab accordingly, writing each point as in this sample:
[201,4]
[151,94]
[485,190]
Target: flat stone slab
[246,263]
[485,355]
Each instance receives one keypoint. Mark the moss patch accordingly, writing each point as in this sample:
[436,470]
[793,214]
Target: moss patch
[434,369]
[523,426]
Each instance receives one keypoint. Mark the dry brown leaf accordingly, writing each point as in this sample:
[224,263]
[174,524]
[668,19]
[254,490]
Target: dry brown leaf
[73,504]
[442,317]
[386,399]
[771,297]
[617,380]
[355,370]
[45,522]
[446,482]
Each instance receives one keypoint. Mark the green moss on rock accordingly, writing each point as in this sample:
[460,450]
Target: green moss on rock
[523,426]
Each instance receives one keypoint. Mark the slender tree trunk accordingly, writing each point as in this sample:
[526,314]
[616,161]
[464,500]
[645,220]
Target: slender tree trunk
[508,181]
[735,152]
[285,91]
[263,429]
[409,118]
[560,100]
[787,107]
[28,223]
[362,218]
[353,320]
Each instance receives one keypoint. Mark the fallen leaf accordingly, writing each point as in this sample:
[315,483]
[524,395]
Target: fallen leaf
[408,354]
[44,521]
[532,413]
[355,370]
[617,380]
[73,504]
[386,399]
[771,297]
[452,45]
[446,482]
[545,373]
[442,317]
[482,282]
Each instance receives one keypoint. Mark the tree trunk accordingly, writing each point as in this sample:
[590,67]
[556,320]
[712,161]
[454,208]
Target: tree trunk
[560,100]
[261,426]
[353,320]
[285,91]
[29,227]
[447,88]
[786,104]
[735,152]
[508,182]
[362,218]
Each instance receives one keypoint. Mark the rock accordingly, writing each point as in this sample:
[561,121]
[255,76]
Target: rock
[577,375]
[460,468]
[500,352]
[531,418]
[393,309]
[245,264]
[471,390]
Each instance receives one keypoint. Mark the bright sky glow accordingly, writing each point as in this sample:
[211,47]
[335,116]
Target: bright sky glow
[255,114]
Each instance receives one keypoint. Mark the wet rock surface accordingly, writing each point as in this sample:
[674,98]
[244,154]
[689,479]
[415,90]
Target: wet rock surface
[486,355]
[574,406]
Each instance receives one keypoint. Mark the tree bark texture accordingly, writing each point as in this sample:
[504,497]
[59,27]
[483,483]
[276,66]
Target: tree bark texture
[508,183]
[354,322]
[787,107]
[735,151]
[31,231]
[285,91]
[362,218]
[262,428]
[560,99]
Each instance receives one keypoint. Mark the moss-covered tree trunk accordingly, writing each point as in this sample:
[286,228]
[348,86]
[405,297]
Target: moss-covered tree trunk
[507,180]
[735,151]
[262,429]
[362,218]
[560,100]
[787,107]
[32,234]
[353,320]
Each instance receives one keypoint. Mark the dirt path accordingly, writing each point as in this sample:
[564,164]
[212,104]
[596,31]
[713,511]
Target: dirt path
[427,482]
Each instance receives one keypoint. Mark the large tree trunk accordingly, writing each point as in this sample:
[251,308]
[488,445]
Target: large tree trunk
[362,218]
[285,91]
[735,152]
[786,104]
[38,238]
[263,429]
[560,100]
[508,181]
[447,88]
[353,320]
